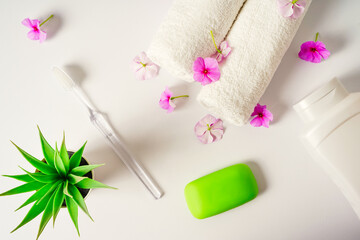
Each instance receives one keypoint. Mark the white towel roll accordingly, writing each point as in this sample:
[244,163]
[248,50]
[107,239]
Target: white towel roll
[184,34]
[259,39]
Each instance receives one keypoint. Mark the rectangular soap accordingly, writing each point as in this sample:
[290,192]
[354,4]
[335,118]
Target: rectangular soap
[220,191]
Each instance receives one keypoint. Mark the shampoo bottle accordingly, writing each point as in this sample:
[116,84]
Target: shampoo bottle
[332,137]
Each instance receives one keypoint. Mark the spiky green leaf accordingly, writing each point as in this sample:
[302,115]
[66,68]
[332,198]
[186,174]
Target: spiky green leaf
[37,195]
[73,211]
[22,177]
[27,187]
[64,155]
[78,198]
[73,179]
[76,157]
[34,211]
[49,192]
[82,170]
[59,165]
[48,151]
[88,183]
[58,201]
[41,166]
[66,192]
[48,212]
[44,178]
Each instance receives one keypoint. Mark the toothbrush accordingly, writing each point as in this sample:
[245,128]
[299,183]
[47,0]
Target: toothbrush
[98,119]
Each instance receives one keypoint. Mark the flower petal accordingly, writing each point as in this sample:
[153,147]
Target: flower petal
[208,119]
[143,58]
[27,22]
[199,65]
[321,49]
[140,73]
[217,134]
[258,109]
[257,122]
[206,80]
[219,57]
[218,124]
[316,57]
[286,10]
[33,35]
[200,129]
[298,10]
[267,114]
[164,104]
[151,70]
[214,75]
[35,23]
[226,51]
[211,64]
[166,94]
[282,3]
[42,36]
[265,122]
[224,45]
[206,138]
[198,76]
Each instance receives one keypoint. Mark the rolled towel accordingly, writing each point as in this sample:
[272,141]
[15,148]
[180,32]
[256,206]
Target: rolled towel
[259,39]
[184,34]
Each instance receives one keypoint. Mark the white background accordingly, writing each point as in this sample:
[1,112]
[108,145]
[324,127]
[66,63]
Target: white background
[96,41]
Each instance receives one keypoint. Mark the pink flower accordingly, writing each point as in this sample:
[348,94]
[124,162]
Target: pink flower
[144,68]
[313,51]
[263,116]
[35,33]
[209,129]
[206,70]
[223,52]
[291,8]
[166,100]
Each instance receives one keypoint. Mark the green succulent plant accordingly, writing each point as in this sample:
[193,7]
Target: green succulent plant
[56,182]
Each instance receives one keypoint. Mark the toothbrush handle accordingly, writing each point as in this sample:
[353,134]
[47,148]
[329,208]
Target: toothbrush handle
[102,124]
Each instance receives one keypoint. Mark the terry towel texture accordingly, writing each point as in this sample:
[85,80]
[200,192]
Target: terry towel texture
[259,39]
[184,34]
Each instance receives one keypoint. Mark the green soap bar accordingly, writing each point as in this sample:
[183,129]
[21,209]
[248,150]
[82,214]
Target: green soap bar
[220,191]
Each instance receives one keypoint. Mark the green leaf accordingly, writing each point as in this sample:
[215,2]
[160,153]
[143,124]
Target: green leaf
[34,211]
[64,155]
[48,151]
[78,198]
[41,166]
[66,192]
[82,170]
[23,177]
[73,179]
[88,183]
[73,211]
[76,157]
[37,195]
[49,192]
[48,212]
[44,178]
[58,201]
[59,165]
[27,187]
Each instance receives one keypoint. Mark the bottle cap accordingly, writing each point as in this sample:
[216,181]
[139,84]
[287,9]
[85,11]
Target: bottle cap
[321,100]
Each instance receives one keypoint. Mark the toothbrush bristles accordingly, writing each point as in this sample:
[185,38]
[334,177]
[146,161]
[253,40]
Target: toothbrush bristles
[63,78]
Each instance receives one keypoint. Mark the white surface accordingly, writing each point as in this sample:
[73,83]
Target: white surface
[297,199]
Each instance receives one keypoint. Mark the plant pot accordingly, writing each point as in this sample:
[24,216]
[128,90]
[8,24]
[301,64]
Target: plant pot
[84,192]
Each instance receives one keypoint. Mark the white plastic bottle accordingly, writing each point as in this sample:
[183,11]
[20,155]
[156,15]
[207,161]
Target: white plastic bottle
[333,135]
